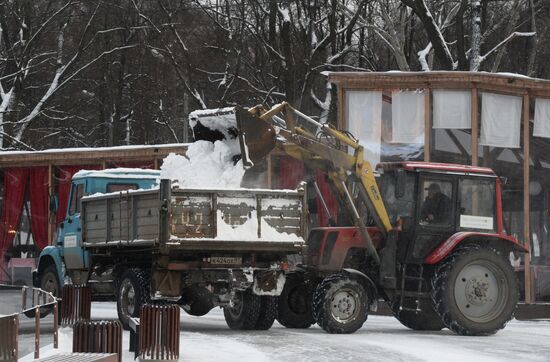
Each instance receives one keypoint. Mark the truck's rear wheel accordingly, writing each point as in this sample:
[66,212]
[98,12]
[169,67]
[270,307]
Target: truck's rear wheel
[295,304]
[132,293]
[268,312]
[340,304]
[425,320]
[244,313]
[475,291]
[49,282]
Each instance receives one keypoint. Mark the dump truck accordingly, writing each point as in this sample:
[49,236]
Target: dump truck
[139,239]
[428,238]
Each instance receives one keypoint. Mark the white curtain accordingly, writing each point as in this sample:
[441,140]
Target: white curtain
[500,120]
[452,109]
[542,118]
[364,121]
[408,116]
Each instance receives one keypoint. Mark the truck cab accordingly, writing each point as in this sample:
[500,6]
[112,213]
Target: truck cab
[67,257]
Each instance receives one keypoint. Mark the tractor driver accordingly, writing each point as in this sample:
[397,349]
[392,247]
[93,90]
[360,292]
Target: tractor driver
[436,206]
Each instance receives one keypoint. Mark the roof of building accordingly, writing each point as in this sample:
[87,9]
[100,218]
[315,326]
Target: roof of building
[434,166]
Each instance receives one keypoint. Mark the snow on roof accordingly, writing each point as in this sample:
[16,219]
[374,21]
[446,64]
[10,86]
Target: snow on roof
[119,173]
[95,149]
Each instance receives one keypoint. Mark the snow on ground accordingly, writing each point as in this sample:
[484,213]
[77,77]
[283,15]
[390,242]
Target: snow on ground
[381,339]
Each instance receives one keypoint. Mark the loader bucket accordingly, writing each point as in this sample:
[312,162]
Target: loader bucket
[256,137]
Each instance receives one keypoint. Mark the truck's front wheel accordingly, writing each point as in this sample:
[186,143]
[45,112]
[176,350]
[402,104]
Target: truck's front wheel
[245,311]
[475,291]
[48,282]
[132,293]
[340,304]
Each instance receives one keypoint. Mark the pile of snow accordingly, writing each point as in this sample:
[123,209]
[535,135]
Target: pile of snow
[206,165]
[248,231]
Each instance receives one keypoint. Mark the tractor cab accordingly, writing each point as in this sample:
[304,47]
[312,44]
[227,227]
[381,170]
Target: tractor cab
[432,202]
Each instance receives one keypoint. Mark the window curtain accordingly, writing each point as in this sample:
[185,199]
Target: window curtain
[364,121]
[330,199]
[64,187]
[39,199]
[500,120]
[452,109]
[15,182]
[408,116]
[541,127]
[291,172]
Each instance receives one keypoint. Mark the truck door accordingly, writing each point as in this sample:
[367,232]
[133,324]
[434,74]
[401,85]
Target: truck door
[435,216]
[71,234]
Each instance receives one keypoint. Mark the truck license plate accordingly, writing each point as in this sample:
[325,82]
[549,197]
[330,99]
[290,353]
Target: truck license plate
[226,260]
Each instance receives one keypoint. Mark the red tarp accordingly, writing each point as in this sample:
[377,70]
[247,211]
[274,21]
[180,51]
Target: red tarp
[15,182]
[291,173]
[38,196]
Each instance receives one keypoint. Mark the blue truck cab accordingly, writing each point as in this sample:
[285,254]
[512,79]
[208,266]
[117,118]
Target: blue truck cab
[67,257]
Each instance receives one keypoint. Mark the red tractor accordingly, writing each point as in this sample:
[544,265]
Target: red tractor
[446,270]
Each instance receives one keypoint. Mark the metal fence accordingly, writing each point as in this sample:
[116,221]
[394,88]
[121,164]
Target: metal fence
[16,301]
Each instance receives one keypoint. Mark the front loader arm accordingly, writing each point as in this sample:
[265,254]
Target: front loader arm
[340,166]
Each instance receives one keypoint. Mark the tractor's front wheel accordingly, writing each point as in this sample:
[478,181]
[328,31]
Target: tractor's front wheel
[475,291]
[340,304]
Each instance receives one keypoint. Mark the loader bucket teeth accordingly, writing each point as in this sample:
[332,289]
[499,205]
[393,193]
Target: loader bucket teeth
[256,137]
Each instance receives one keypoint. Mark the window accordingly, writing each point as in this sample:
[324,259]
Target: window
[436,206]
[476,204]
[76,195]
[121,187]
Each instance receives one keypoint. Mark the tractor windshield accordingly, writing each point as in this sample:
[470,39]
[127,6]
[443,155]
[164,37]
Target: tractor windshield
[398,194]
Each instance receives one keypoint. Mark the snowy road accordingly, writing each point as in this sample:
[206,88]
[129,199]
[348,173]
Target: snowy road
[381,339]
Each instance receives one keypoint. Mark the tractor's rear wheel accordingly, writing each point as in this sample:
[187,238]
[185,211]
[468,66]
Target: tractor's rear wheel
[475,290]
[244,313]
[424,320]
[340,304]
[295,304]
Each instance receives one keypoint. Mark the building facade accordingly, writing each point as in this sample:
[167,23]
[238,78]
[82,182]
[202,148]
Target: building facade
[500,121]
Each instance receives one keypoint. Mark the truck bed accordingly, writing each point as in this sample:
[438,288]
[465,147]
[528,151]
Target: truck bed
[192,219]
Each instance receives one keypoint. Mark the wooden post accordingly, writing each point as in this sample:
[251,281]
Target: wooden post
[427,125]
[156,164]
[341,122]
[526,206]
[475,127]
[36,332]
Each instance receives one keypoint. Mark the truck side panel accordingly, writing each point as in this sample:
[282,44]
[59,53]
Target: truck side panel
[127,217]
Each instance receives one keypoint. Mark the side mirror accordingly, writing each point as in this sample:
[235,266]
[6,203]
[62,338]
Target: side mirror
[61,225]
[400,184]
[54,204]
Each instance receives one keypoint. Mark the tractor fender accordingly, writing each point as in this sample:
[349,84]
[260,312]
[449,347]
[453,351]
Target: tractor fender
[497,240]
[367,283]
[49,255]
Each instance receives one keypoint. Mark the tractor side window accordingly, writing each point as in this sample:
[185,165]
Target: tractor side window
[476,204]
[399,203]
[76,195]
[436,206]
